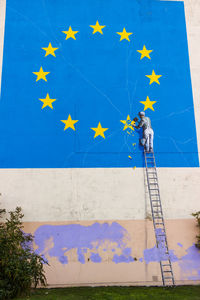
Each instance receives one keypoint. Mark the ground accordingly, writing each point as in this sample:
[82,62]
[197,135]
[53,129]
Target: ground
[116,293]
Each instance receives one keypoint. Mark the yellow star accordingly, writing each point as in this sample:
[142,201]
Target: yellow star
[144,52]
[99,131]
[69,123]
[153,77]
[50,50]
[128,123]
[70,33]
[148,104]
[47,101]
[124,35]
[41,74]
[97,28]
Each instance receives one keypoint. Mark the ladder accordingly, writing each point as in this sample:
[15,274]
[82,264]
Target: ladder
[158,220]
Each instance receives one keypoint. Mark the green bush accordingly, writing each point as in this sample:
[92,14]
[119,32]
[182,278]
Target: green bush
[20,267]
[197,216]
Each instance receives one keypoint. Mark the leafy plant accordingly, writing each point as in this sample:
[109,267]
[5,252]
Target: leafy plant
[20,266]
[197,216]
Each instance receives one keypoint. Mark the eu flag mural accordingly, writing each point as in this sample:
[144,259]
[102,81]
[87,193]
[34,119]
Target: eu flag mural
[76,73]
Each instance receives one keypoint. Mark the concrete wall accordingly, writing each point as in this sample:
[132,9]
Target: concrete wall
[63,197]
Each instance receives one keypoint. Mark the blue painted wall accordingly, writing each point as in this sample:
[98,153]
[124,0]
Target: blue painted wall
[95,78]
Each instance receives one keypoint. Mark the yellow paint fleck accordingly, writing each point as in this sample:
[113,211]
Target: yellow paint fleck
[129,157]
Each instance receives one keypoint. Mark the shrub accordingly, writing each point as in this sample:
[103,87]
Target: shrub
[20,267]
[197,216]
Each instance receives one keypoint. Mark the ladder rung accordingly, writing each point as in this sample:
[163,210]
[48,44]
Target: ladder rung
[168,277]
[168,265]
[167,271]
[159,223]
[151,179]
[161,235]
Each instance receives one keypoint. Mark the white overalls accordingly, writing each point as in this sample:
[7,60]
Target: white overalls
[148,133]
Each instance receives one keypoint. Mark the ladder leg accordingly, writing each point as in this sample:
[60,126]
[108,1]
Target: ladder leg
[158,219]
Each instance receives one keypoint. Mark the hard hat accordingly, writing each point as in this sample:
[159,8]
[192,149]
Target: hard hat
[141,113]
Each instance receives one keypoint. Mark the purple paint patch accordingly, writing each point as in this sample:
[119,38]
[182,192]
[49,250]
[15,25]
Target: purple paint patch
[63,259]
[81,257]
[190,264]
[125,257]
[95,257]
[158,253]
[151,255]
[75,236]
[179,244]
[27,244]
[141,259]
[122,258]
[127,251]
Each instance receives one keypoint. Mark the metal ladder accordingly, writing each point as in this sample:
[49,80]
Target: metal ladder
[158,220]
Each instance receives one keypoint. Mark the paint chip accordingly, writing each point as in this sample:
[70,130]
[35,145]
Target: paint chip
[134,168]
[129,157]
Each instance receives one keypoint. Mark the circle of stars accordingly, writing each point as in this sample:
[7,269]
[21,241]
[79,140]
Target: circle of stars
[97,29]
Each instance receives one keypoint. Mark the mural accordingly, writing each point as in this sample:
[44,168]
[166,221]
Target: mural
[76,73]
[90,84]
[91,242]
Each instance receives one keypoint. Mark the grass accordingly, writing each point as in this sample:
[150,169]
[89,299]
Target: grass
[116,293]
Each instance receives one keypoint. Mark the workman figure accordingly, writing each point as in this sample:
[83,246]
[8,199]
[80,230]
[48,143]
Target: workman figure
[145,124]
